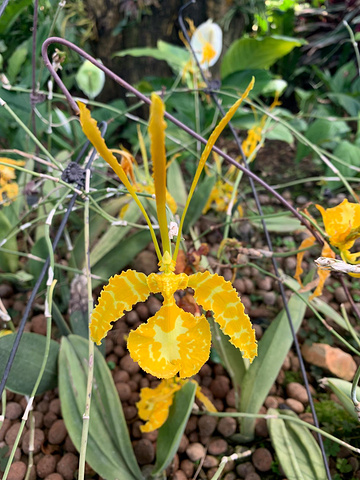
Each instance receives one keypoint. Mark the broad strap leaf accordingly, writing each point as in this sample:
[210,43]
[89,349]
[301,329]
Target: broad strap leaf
[116,298]
[214,293]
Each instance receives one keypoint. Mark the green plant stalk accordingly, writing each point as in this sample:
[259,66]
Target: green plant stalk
[354,44]
[311,179]
[350,327]
[86,416]
[31,135]
[282,417]
[31,445]
[308,304]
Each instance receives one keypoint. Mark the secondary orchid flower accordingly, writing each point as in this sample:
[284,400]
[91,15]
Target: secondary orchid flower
[206,42]
[342,224]
[8,187]
[155,403]
[172,341]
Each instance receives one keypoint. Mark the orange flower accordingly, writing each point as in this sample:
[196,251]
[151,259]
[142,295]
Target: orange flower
[8,188]
[172,341]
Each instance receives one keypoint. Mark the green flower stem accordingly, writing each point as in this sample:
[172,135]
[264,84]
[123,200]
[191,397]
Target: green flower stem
[3,407]
[31,445]
[311,179]
[286,418]
[31,135]
[86,415]
[354,44]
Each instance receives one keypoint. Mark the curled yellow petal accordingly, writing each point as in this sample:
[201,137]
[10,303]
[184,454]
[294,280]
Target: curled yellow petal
[155,403]
[214,293]
[117,297]
[172,341]
[306,243]
[204,399]
[323,274]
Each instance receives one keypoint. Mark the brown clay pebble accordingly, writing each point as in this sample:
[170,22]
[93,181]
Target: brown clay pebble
[128,364]
[187,467]
[46,465]
[261,429]
[295,405]
[262,459]
[227,426]
[55,406]
[5,427]
[179,475]
[253,476]
[191,424]
[49,419]
[13,410]
[230,398]
[130,412]
[297,391]
[195,451]
[217,446]
[121,376]
[69,446]
[54,476]
[123,390]
[57,432]
[12,432]
[230,476]
[17,471]
[38,324]
[67,466]
[207,425]
[210,461]
[39,437]
[39,419]
[244,469]
[43,406]
[144,451]
[220,386]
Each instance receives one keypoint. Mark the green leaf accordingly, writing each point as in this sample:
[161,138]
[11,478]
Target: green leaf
[281,224]
[176,57]
[198,201]
[40,249]
[298,452]
[176,185]
[342,389]
[351,154]
[16,61]
[280,132]
[11,13]
[322,132]
[171,432]
[27,363]
[349,103]
[239,80]
[90,79]
[8,261]
[260,53]
[109,451]
[261,374]
[328,311]
[20,277]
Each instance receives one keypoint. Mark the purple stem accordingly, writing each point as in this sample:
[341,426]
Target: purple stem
[146,100]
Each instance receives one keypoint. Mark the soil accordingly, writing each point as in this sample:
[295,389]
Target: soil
[206,439]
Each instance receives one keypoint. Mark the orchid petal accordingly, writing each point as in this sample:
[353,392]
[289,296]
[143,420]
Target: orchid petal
[323,274]
[306,243]
[214,293]
[117,297]
[171,341]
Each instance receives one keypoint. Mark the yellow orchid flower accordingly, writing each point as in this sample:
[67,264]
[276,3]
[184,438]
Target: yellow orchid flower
[342,224]
[172,341]
[155,403]
[8,188]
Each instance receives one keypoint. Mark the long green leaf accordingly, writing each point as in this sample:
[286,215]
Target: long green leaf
[273,348]
[298,453]
[8,262]
[27,363]
[247,53]
[171,432]
[342,390]
[109,450]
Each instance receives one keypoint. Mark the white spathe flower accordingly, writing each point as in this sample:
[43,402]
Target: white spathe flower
[207,43]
